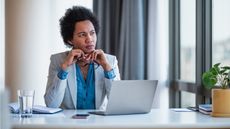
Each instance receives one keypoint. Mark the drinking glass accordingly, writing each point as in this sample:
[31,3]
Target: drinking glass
[26,102]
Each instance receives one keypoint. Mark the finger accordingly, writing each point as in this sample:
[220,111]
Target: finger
[95,55]
[75,60]
[81,55]
[92,55]
[77,53]
[88,56]
[99,53]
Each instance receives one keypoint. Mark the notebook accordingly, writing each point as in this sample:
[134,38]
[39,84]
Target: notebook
[130,97]
[205,108]
[37,109]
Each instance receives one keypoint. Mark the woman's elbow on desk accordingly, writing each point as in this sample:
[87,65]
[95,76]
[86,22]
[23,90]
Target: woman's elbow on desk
[52,103]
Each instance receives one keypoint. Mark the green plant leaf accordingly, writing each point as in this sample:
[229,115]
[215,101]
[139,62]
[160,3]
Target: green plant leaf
[229,76]
[225,74]
[226,79]
[209,80]
[214,71]
[217,68]
[216,65]
[226,67]
[217,74]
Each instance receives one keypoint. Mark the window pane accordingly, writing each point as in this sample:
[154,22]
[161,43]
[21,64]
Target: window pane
[188,99]
[221,32]
[187,48]
[187,40]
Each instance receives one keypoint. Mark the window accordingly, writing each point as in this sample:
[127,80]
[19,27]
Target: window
[187,40]
[190,51]
[187,48]
[188,99]
[221,32]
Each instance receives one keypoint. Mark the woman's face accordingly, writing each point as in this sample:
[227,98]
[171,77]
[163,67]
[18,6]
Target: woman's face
[84,36]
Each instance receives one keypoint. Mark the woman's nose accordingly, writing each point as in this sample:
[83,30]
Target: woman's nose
[88,38]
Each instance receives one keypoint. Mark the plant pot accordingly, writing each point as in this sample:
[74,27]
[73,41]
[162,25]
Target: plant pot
[220,102]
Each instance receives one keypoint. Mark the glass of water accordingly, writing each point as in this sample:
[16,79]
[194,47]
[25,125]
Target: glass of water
[26,102]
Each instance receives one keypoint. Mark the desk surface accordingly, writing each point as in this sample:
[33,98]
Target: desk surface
[157,118]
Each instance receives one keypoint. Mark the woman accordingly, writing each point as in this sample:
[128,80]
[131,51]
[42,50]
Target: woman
[80,78]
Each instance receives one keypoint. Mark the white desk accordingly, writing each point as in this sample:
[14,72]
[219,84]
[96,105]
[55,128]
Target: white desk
[156,119]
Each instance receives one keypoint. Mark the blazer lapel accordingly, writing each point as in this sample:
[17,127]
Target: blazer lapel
[98,90]
[72,83]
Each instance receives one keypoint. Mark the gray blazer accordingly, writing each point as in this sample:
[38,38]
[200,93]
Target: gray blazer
[63,93]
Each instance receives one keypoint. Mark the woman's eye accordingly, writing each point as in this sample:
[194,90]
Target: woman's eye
[81,35]
[92,32]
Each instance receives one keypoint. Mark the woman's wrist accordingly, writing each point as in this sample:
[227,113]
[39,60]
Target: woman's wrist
[106,67]
[64,66]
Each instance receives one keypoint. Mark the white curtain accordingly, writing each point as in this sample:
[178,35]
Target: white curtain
[2,44]
[158,49]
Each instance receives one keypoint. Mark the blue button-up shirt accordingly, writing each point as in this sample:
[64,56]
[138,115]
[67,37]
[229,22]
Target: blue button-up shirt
[86,88]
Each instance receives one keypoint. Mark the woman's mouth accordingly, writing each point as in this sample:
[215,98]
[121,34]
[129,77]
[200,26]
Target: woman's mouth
[89,47]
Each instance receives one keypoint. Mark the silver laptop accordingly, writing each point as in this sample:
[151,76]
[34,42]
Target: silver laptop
[130,97]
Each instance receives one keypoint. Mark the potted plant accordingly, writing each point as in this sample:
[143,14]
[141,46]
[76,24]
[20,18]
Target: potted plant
[218,80]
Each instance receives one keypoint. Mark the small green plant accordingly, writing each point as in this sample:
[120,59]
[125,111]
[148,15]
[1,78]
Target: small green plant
[217,76]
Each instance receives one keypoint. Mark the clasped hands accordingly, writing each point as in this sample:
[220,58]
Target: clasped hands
[77,55]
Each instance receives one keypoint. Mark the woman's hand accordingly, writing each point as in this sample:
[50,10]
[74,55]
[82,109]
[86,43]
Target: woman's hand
[78,55]
[72,57]
[99,57]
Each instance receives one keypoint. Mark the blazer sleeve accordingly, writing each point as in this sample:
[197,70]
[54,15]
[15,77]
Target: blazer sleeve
[114,64]
[55,88]
[108,82]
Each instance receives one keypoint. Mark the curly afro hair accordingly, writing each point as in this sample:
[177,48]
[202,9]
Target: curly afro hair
[71,17]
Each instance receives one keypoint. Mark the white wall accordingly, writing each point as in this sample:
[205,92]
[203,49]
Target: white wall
[32,35]
[27,46]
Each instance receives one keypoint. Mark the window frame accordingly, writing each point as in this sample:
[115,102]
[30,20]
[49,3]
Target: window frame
[203,52]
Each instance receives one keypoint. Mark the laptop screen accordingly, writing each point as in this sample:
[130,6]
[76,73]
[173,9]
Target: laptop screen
[131,97]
